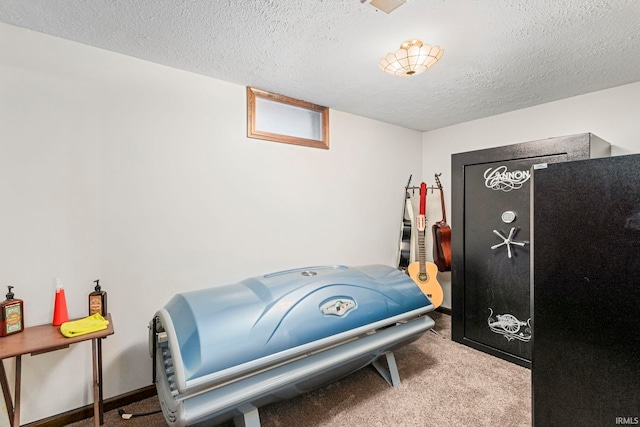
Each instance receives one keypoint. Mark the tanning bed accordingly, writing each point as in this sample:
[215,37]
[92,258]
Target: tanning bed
[222,352]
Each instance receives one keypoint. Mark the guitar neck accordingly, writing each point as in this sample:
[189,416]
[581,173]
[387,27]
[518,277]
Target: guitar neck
[422,226]
[444,212]
[421,254]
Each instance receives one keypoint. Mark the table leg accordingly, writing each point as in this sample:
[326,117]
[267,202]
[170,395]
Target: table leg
[101,408]
[4,383]
[96,394]
[16,406]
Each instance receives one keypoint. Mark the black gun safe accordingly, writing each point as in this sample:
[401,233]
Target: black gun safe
[490,241]
[586,287]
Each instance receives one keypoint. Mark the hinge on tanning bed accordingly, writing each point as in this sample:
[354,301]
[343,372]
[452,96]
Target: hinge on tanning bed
[160,339]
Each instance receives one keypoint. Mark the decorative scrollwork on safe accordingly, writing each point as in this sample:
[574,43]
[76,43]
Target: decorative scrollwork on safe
[509,326]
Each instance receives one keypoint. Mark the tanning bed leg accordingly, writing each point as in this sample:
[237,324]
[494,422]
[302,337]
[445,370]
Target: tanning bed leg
[249,416]
[391,375]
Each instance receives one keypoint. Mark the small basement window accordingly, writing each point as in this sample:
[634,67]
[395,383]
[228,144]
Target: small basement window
[282,119]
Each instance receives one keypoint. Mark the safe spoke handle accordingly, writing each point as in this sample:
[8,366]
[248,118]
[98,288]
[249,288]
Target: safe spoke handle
[507,241]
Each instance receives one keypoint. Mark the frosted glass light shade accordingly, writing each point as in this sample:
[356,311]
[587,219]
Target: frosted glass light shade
[413,57]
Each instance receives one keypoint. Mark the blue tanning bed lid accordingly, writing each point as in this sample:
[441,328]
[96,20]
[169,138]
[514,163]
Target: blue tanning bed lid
[227,330]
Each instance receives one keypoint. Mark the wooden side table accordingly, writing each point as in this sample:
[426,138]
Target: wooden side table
[42,339]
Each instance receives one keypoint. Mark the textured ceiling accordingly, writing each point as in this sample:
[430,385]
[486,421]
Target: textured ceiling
[500,55]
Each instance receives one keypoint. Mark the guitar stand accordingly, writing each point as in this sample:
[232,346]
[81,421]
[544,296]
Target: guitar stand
[430,187]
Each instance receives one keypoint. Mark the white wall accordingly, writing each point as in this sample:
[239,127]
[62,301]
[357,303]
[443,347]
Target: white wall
[142,176]
[611,114]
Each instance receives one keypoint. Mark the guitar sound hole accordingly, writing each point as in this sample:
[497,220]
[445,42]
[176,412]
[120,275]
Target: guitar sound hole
[423,277]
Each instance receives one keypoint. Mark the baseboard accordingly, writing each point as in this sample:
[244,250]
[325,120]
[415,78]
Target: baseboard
[85,412]
[444,310]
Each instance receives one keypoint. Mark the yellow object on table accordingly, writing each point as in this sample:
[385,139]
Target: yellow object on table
[89,324]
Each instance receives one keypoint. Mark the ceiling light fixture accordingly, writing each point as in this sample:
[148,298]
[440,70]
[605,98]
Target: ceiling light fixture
[413,57]
[387,6]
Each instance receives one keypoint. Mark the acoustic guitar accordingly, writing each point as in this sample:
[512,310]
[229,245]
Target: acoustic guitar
[423,273]
[442,237]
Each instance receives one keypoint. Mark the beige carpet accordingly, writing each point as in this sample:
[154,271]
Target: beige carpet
[443,384]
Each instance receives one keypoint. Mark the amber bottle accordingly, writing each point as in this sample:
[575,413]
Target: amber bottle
[98,300]
[11,315]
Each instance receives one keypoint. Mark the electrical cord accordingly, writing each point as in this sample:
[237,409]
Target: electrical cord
[126,416]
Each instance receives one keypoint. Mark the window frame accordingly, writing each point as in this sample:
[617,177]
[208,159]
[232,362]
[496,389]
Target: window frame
[252,112]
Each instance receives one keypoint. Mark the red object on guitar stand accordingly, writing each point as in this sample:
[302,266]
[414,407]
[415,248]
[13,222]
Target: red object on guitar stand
[423,198]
